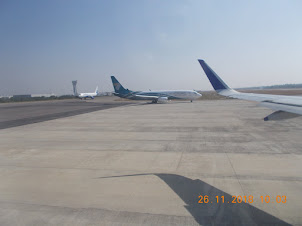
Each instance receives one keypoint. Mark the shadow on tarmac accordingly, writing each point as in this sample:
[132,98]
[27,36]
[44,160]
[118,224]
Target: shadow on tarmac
[29,113]
[213,213]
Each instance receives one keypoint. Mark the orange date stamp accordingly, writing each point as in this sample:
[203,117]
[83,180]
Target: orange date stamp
[204,199]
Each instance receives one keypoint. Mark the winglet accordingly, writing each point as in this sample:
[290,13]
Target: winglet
[217,83]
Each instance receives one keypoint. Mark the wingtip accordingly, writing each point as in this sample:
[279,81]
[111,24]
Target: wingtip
[217,83]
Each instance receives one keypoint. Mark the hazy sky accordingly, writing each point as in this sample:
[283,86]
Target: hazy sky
[154,44]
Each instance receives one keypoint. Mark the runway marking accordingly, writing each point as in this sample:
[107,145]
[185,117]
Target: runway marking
[235,173]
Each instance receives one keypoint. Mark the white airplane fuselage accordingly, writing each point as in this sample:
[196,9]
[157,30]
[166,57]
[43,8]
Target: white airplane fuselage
[87,95]
[156,96]
[171,94]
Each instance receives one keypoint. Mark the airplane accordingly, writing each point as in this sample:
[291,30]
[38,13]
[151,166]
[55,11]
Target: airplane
[284,106]
[155,96]
[88,95]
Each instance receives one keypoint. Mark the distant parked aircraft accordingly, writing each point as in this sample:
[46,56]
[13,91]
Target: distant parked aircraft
[89,95]
[161,96]
[83,95]
[284,106]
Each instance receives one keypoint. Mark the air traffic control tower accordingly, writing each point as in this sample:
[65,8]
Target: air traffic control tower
[75,91]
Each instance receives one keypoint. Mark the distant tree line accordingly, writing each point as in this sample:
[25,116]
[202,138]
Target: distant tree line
[284,86]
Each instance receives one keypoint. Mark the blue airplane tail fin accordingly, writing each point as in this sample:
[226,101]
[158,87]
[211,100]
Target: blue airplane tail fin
[217,83]
[118,88]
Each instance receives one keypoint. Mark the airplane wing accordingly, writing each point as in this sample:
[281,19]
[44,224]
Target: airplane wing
[285,106]
[145,97]
[89,96]
[155,99]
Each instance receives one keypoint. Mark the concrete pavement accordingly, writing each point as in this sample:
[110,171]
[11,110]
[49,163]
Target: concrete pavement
[148,164]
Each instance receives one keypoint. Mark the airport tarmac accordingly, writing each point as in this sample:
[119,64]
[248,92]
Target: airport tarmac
[23,113]
[147,164]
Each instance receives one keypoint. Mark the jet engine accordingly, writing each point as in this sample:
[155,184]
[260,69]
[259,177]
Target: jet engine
[162,100]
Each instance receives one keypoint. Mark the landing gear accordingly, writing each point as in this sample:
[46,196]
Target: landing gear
[191,101]
[154,101]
